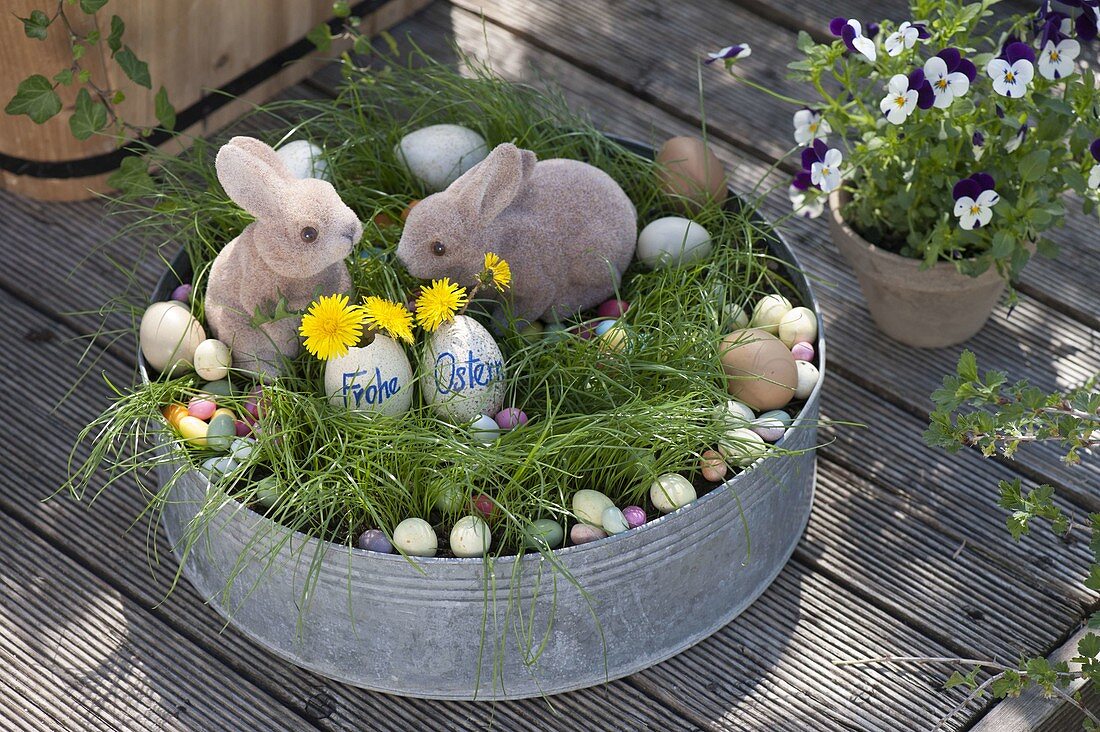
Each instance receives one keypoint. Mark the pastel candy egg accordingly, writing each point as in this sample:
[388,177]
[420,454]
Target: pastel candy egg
[713,466]
[304,160]
[768,312]
[470,537]
[760,370]
[589,505]
[221,387]
[604,325]
[212,359]
[221,432]
[736,317]
[241,448]
[243,428]
[613,521]
[802,352]
[216,467]
[808,376]
[614,339]
[169,335]
[485,429]
[416,537]
[634,515]
[375,378]
[798,326]
[193,430]
[769,428]
[484,505]
[223,410]
[462,371]
[612,309]
[266,493]
[182,293]
[202,408]
[672,241]
[543,533]
[742,447]
[449,498]
[778,414]
[439,154]
[737,414]
[584,533]
[173,413]
[374,540]
[511,417]
[671,491]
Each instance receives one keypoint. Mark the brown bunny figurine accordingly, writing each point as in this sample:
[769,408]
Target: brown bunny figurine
[566,228]
[292,252]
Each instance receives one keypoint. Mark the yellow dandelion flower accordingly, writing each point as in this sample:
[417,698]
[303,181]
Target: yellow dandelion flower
[394,318]
[331,326]
[497,271]
[438,303]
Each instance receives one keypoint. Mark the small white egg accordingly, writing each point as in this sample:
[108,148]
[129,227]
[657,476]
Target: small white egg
[485,429]
[736,317]
[416,537]
[672,241]
[769,311]
[798,326]
[470,537]
[736,414]
[304,160]
[743,447]
[671,491]
[808,376]
[212,359]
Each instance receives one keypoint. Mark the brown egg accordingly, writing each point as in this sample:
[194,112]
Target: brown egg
[761,371]
[409,208]
[687,167]
[383,220]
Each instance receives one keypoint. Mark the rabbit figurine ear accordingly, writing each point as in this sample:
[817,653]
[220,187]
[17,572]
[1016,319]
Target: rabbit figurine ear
[251,174]
[493,184]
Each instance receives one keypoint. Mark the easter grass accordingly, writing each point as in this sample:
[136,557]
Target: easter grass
[609,419]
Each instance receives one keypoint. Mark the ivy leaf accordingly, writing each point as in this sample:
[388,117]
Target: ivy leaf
[65,76]
[114,39]
[166,113]
[132,177]
[136,69]
[35,98]
[91,6]
[341,9]
[320,37]
[36,25]
[88,118]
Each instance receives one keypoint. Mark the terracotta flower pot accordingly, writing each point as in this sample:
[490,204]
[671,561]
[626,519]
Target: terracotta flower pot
[924,308]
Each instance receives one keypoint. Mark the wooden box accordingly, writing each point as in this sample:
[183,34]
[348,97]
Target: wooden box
[199,50]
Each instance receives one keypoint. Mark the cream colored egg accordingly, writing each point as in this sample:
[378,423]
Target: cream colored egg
[671,491]
[798,326]
[589,505]
[672,241]
[439,154]
[376,377]
[470,537]
[808,376]
[304,160]
[768,312]
[742,447]
[169,335]
[416,537]
[212,359]
[736,317]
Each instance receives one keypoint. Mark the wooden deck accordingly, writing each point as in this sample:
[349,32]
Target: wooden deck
[906,552]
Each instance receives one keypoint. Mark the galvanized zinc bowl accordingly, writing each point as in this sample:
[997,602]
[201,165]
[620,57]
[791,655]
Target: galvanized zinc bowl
[514,627]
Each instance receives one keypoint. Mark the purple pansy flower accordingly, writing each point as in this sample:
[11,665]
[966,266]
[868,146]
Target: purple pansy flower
[948,76]
[1018,139]
[905,37]
[925,97]
[1094,175]
[823,164]
[850,31]
[804,202]
[977,143]
[1086,20]
[1056,60]
[1013,70]
[729,54]
[974,200]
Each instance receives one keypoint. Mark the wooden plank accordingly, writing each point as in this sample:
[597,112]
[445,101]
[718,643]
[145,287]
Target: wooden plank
[95,657]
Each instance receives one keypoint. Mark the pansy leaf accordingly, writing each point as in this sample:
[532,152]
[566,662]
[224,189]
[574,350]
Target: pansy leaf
[1003,244]
[1034,165]
[35,26]
[89,116]
[91,6]
[134,68]
[1046,248]
[114,39]
[35,98]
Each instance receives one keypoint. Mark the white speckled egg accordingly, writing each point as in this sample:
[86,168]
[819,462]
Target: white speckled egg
[743,447]
[671,491]
[212,359]
[376,377]
[462,371]
[589,505]
[416,537]
[304,160]
[169,335]
[808,376]
[798,326]
[672,241]
[470,537]
[439,154]
[768,312]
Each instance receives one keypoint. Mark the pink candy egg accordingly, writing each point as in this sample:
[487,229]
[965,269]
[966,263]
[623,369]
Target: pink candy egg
[635,516]
[181,293]
[243,429]
[802,352]
[511,417]
[713,466]
[202,408]
[484,505]
[583,533]
[612,309]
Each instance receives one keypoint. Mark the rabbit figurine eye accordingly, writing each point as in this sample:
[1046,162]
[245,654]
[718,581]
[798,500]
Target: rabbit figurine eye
[438,249]
[309,234]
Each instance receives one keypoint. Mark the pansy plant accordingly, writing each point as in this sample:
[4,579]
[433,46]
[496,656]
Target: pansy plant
[961,94]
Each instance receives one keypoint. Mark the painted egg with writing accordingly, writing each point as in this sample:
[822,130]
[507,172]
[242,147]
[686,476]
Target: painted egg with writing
[376,377]
[462,371]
